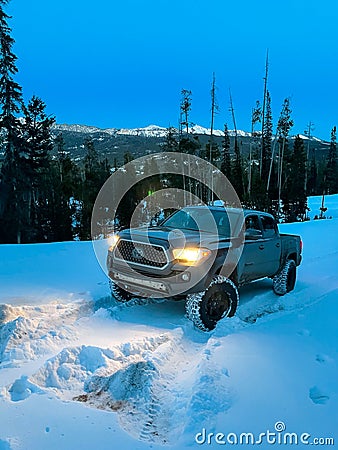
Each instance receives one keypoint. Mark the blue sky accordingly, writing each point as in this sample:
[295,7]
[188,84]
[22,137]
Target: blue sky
[123,64]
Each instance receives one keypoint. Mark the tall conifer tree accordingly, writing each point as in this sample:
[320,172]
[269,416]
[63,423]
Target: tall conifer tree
[331,173]
[10,105]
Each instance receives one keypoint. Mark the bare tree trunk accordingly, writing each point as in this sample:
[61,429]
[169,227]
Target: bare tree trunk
[280,174]
[213,105]
[263,108]
[271,163]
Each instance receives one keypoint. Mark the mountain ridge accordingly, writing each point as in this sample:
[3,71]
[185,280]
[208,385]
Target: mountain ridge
[155,131]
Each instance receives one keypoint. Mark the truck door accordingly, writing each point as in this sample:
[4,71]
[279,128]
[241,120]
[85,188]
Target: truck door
[272,246]
[252,259]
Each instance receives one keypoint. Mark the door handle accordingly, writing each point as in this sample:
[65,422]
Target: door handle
[261,247]
[278,244]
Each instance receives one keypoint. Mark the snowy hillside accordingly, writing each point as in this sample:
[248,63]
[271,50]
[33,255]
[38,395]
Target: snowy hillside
[79,371]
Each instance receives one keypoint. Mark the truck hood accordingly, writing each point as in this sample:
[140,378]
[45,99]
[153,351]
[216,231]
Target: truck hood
[161,235]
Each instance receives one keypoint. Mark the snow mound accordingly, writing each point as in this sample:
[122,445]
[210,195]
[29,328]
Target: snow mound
[22,388]
[70,369]
[158,386]
[29,332]
[5,445]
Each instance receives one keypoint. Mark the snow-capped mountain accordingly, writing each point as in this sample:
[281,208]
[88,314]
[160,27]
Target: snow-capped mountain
[155,131]
[197,129]
[76,128]
[148,131]
[113,143]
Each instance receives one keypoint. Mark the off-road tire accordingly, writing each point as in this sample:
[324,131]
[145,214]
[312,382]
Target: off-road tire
[206,308]
[285,280]
[120,295]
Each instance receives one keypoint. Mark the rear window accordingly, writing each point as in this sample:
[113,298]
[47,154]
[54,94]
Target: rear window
[269,227]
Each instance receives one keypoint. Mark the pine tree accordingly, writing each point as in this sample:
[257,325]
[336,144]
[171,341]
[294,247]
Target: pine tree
[237,177]
[10,103]
[185,108]
[214,153]
[170,143]
[95,173]
[295,186]
[35,133]
[129,201]
[256,117]
[285,123]
[127,157]
[267,140]
[237,169]
[34,162]
[65,181]
[10,91]
[115,165]
[331,173]
[226,160]
[312,180]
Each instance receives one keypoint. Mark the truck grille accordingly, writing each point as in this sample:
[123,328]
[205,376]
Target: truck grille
[143,254]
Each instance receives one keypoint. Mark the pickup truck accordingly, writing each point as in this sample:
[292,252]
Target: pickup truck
[203,254]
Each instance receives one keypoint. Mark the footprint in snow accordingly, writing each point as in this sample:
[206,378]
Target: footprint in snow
[322,358]
[304,332]
[318,396]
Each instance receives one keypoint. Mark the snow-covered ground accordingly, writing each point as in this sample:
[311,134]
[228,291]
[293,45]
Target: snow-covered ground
[79,371]
[330,202]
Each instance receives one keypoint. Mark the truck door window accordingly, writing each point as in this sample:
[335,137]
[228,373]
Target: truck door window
[252,222]
[269,227]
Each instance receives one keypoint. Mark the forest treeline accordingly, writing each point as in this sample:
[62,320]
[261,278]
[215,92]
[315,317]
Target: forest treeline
[46,196]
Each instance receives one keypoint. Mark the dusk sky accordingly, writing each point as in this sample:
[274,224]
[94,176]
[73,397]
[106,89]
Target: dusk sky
[123,64]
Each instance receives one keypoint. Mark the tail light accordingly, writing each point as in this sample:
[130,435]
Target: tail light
[301,246]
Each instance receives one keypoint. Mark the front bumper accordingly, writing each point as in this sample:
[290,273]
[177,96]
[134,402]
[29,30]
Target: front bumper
[177,282]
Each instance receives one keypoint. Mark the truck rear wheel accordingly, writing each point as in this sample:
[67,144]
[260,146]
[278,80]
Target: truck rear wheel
[285,280]
[207,308]
[120,294]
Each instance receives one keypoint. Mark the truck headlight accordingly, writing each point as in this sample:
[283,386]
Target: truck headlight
[190,255]
[112,241]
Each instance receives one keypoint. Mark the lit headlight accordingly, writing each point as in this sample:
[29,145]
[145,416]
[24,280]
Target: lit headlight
[190,256]
[112,241]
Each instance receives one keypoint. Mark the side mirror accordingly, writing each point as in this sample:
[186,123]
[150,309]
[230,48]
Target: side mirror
[252,234]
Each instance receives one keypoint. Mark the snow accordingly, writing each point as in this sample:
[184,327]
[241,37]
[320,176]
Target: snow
[330,202]
[77,370]
[75,128]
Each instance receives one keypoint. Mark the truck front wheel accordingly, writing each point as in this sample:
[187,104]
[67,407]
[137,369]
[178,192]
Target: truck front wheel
[120,294]
[285,280]
[206,308]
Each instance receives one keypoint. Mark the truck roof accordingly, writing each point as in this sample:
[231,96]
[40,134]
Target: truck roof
[244,211]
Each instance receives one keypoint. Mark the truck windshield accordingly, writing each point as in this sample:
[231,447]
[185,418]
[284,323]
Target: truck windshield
[200,219]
